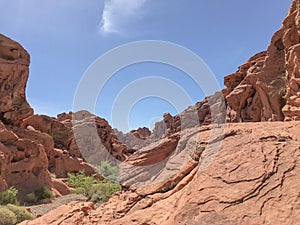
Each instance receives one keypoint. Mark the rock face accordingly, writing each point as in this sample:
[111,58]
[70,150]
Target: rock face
[93,134]
[96,139]
[256,92]
[23,163]
[14,69]
[291,42]
[141,133]
[269,80]
[252,179]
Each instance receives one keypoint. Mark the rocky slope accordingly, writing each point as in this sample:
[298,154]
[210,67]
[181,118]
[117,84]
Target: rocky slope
[252,179]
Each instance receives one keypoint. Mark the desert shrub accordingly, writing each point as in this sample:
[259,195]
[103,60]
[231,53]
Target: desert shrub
[20,212]
[81,182]
[108,171]
[7,217]
[31,198]
[95,190]
[102,191]
[43,193]
[38,195]
[9,196]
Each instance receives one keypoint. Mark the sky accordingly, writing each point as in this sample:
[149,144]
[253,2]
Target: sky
[65,37]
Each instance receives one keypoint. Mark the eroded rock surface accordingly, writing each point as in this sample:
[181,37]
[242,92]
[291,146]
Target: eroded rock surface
[269,81]
[14,71]
[291,41]
[23,163]
[252,179]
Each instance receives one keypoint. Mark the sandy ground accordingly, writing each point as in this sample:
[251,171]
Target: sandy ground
[39,210]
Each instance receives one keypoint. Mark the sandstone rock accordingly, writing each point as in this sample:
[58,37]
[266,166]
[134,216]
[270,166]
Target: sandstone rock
[23,163]
[141,133]
[14,69]
[253,179]
[58,131]
[95,139]
[71,213]
[60,186]
[269,80]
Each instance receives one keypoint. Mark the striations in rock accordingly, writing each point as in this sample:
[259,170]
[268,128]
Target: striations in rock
[253,179]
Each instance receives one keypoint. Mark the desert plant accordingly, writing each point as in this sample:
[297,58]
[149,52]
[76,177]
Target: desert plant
[102,191]
[43,193]
[81,182]
[95,190]
[38,195]
[108,171]
[7,217]
[20,212]
[9,196]
[31,198]
[282,92]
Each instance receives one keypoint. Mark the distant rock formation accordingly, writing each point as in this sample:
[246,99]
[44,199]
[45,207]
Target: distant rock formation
[141,133]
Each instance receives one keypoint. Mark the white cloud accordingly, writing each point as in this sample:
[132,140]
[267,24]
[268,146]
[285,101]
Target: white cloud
[117,14]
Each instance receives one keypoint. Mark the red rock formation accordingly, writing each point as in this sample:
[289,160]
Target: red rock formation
[253,179]
[269,80]
[23,163]
[14,64]
[95,138]
[291,42]
[141,133]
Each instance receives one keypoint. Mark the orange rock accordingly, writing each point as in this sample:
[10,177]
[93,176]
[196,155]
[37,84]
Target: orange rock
[14,63]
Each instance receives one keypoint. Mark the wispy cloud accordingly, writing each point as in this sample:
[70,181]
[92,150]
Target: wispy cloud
[117,14]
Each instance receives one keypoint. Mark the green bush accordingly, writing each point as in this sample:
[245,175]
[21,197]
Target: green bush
[38,195]
[20,212]
[108,171]
[31,198]
[43,193]
[81,182]
[9,196]
[7,217]
[101,192]
[95,190]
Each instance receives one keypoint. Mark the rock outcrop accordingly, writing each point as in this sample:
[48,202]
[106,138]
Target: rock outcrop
[291,42]
[14,70]
[76,143]
[141,133]
[23,163]
[252,179]
[267,87]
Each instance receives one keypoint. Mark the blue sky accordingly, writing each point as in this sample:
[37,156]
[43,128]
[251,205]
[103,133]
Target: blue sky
[64,37]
